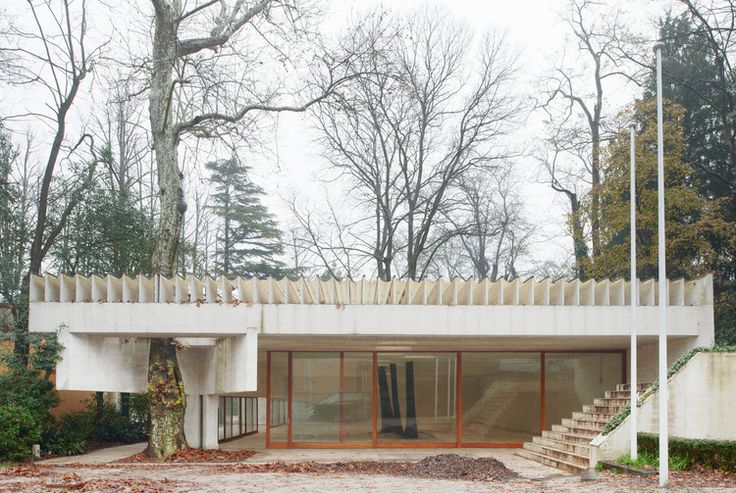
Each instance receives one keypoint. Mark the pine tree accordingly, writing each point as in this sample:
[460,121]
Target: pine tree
[249,239]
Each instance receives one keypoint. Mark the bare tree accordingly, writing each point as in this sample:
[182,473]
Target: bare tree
[202,84]
[416,119]
[560,158]
[599,39]
[492,230]
[52,55]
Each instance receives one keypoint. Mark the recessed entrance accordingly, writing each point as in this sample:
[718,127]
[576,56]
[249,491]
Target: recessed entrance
[428,399]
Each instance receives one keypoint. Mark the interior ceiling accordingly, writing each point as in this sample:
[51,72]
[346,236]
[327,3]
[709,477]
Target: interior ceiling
[271,342]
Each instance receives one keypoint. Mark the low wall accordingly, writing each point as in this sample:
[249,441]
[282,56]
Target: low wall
[702,404]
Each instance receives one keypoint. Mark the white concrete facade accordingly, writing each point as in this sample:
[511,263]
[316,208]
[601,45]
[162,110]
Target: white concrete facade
[702,404]
[105,324]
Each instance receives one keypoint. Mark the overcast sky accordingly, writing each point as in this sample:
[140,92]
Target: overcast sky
[292,164]
[534,28]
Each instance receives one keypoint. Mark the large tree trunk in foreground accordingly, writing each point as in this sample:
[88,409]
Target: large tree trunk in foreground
[168,401]
[165,384]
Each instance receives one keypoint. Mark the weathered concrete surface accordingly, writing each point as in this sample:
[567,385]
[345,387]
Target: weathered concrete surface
[702,404]
[101,456]
[526,468]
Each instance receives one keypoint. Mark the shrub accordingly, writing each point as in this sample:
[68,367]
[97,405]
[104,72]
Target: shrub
[714,454]
[108,425]
[70,434]
[19,431]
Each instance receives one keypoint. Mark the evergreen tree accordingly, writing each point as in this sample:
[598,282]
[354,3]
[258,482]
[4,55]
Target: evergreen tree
[12,247]
[694,223]
[249,239]
[108,233]
[690,75]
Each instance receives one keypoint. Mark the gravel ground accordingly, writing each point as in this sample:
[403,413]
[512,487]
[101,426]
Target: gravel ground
[167,478]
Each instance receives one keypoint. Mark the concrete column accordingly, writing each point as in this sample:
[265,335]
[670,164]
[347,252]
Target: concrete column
[208,425]
[210,422]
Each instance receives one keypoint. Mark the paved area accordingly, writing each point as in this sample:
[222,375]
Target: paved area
[526,468]
[101,456]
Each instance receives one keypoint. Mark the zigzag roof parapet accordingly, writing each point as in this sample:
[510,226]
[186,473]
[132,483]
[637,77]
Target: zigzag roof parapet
[315,291]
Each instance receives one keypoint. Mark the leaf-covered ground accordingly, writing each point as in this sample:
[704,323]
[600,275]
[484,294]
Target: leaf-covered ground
[434,474]
[193,455]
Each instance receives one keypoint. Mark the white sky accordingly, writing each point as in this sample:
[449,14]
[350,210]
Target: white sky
[534,28]
[292,162]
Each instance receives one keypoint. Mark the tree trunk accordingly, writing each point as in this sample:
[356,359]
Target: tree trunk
[165,384]
[410,431]
[578,237]
[595,207]
[387,414]
[168,401]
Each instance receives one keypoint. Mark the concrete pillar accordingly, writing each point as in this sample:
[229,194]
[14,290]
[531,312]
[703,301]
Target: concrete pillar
[200,422]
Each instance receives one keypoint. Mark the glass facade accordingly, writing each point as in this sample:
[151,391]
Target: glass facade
[417,397]
[575,379]
[236,416]
[278,396]
[479,398]
[501,396]
[315,397]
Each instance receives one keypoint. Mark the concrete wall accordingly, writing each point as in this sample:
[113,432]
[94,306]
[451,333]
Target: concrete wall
[702,404]
[224,320]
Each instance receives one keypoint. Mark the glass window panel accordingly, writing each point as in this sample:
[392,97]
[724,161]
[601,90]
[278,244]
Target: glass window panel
[235,416]
[221,418]
[573,380]
[501,396]
[279,394]
[357,396]
[315,397]
[249,418]
[417,397]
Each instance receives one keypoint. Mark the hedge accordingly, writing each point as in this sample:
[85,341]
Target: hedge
[615,421]
[715,454]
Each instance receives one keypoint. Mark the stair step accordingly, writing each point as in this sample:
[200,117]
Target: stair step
[617,394]
[602,410]
[567,437]
[548,461]
[574,448]
[595,418]
[641,387]
[579,423]
[610,402]
[577,430]
[558,454]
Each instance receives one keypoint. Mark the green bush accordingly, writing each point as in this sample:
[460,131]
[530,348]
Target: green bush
[108,425]
[714,454]
[18,432]
[70,434]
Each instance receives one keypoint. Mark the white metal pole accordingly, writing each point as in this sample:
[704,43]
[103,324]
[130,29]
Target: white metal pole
[633,292]
[663,397]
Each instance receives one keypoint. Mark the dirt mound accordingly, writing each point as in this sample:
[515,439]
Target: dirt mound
[443,466]
[454,466]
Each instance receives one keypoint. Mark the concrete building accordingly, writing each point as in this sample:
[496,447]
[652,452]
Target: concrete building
[368,363]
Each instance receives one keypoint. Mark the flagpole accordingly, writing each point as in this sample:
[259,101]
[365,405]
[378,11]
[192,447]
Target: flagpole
[633,293]
[663,396]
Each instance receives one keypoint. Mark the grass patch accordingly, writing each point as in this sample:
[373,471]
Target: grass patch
[651,459]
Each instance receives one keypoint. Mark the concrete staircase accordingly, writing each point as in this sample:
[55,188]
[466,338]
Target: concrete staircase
[566,445]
